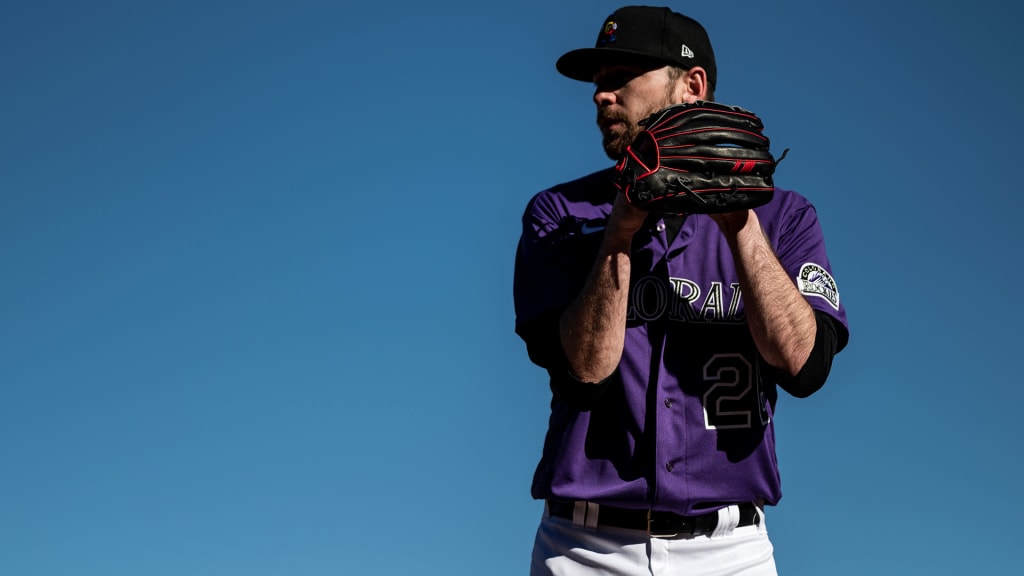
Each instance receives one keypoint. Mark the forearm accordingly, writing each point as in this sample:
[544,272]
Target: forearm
[781,321]
[593,328]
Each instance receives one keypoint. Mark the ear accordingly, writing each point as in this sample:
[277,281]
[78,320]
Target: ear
[692,86]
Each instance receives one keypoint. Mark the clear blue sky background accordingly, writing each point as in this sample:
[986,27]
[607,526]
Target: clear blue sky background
[256,264]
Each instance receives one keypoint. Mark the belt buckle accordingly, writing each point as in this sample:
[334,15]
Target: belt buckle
[655,531]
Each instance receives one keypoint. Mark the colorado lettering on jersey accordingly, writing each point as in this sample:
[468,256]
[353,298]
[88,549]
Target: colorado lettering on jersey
[683,300]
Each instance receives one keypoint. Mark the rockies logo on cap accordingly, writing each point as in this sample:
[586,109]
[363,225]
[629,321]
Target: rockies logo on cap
[607,32]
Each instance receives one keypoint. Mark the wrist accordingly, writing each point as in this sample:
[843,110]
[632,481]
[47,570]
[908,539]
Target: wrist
[735,224]
[616,242]
[623,223]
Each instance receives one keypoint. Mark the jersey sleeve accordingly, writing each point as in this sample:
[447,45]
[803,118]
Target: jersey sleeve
[553,259]
[800,246]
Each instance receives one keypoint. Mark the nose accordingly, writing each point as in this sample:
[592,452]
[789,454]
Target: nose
[603,97]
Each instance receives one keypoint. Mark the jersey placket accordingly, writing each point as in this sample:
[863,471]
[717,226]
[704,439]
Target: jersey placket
[667,403]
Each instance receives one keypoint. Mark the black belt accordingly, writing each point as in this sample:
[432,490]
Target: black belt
[657,524]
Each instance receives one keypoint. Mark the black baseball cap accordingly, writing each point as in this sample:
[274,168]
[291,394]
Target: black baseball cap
[643,35]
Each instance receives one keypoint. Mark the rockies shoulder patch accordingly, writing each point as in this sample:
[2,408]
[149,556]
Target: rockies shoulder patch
[814,280]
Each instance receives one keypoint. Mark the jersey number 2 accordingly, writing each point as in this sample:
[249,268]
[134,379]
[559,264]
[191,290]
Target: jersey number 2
[735,394]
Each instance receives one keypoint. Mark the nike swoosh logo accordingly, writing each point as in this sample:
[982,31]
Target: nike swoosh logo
[589,228]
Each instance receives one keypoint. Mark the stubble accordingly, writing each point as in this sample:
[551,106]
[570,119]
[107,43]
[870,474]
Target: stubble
[616,138]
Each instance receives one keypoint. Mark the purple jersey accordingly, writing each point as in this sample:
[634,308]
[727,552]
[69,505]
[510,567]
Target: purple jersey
[685,424]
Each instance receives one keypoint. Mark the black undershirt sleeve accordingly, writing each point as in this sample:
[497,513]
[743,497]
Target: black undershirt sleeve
[812,376]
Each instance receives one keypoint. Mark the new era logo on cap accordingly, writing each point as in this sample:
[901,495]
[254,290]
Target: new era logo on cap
[687,53]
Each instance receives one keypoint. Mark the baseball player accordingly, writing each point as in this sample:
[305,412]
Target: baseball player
[667,311]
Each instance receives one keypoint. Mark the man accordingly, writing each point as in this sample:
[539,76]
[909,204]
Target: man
[665,338]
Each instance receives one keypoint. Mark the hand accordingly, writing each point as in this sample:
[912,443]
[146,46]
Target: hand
[624,220]
[730,223]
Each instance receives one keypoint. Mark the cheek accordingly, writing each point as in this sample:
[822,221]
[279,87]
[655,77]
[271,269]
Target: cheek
[652,95]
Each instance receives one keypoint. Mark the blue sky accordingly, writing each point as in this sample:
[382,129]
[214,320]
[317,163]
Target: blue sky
[257,261]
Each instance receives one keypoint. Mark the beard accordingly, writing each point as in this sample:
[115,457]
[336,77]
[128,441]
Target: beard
[619,129]
[618,136]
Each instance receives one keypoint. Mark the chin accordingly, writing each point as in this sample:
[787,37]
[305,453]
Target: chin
[615,149]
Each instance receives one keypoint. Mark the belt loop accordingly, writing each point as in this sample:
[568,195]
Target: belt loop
[593,509]
[728,520]
[579,514]
[584,514]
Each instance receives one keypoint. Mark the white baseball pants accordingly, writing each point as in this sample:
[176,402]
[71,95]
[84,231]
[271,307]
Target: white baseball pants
[561,549]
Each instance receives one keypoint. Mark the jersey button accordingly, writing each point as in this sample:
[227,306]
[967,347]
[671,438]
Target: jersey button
[669,466]
[668,402]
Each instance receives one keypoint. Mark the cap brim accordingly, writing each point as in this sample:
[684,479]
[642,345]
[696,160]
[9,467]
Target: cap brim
[583,63]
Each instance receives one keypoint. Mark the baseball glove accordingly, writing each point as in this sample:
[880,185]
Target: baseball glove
[700,158]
